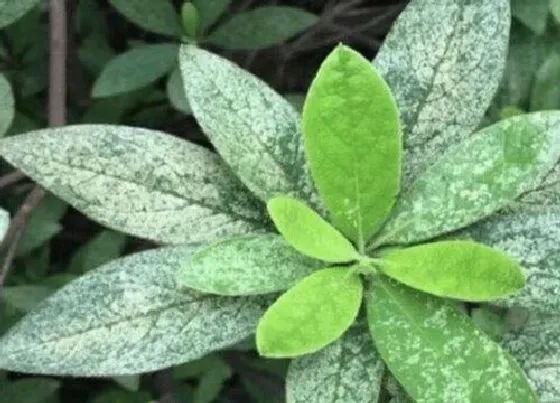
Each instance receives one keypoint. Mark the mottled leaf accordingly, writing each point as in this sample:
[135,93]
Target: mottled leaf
[176,92]
[443,59]
[353,143]
[348,370]
[31,390]
[261,27]
[13,10]
[160,187]
[307,232]
[255,264]
[135,69]
[533,14]
[210,10]
[547,78]
[7,107]
[4,223]
[155,16]
[310,315]
[437,353]
[479,176]
[127,317]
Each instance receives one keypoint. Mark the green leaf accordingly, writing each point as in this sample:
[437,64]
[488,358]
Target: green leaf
[210,10]
[25,297]
[161,187]
[32,390]
[455,269]
[255,129]
[176,92]
[261,27]
[155,16]
[437,353]
[534,13]
[548,76]
[310,315]
[190,19]
[307,232]
[127,317]
[211,383]
[555,9]
[492,323]
[348,370]
[479,176]
[104,247]
[7,107]
[255,264]
[443,60]
[353,143]
[4,223]
[13,10]
[135,69]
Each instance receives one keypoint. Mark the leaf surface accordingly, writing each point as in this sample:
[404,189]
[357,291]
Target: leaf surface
[533,14]
[4,223]
[210,11]
[30,390]
[156,16]
[7,107]
[176,92]
[13,10]
[547,77]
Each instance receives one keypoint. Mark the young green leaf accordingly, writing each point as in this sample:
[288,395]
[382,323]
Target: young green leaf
[7,108]
[437,353]
[348,370]
[176,92]
[444,60]
[127,317]
[190,19]
[254,264]
[261,27]
[548,76]
[310,315]
[161,187]
[135,69]
[455,269]
[534,13]
[155,16]
[483,174]
[210,11]
[13,10]
[353,143]
[307,232]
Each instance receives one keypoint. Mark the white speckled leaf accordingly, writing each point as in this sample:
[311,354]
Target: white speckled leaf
[142,182]
[483,174]
[127,317]
[255,129]
[13,10]
[248,265]
[443,59]
[7,109]
[4,223]
[437,353]
[348,370]
[158,16]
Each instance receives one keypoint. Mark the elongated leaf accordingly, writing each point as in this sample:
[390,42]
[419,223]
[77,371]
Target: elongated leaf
[483,174]
[348,370]
[533,14]
[13,10]
[443,59]
[255,264]
[261,27]
[156,16]
[139,181]
[176,92]
[548,76]
[307,232]
[310,315]
[437,353]
[353,144]
[4,223]
[456,269]
[127,317]
[135,69]
[255,129]
[210,10]
[32,390]
[7,108]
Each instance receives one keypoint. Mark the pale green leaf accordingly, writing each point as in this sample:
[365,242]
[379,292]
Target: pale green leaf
[101,249]
[211,383]
[310,315]
[261,27]
[127,317]
[254,128]
[437,353]
[161,187]
[483,174]
[353,143]
[7,107]
[176,92]
[443,59]
[547,78]
[135,69]
[307,232]
[25,297]
[31,390]
[555,9]
[210,10]
[533,13]
[348,370]
[190,19]
[4,223]
[156,16]
[254,264]
[13,10]
[455,269]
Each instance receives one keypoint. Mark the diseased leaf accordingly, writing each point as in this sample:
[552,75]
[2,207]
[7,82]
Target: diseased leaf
[464,270]
[254,264]
[261,27]
[254,129]
[533,14]
[348,370]
[176,92]
[483,174]
[127,317]
[210,10]
[161,187]
[437,353]
[443,59]
[7,107]
[155,16]
[135,69]
[307,232]
[310,315]
[13,10]
[32,390]
[548,76]
[353,143]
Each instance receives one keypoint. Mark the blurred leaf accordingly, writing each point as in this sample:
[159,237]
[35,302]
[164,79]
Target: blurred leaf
[27,32]
[90,19]
[129,382]
[210,10]
[112,110]
[510,111]
[7,107]
[104,247]
[492,323]
[545,89]
[211,383]
[190,19]
[176,92]
[32,390]
[13,10]
[121,396]
[25,297]
[158,16]
[95,52]
[37,263]
[297,100]
[22,124]
[532,13]
[4,223]
[34,78]
[555,9]
[263,387]
[194,369]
